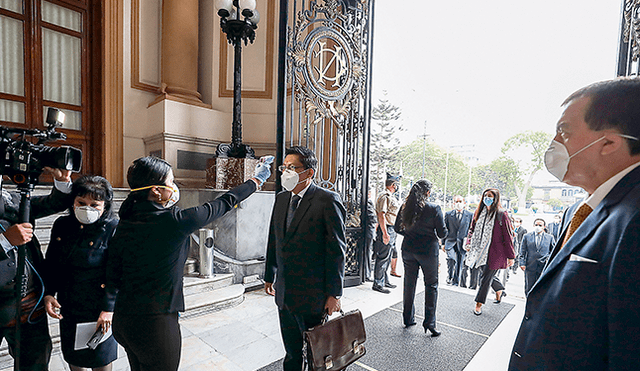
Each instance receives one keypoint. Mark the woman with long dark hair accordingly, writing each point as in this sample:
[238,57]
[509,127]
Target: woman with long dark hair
[422,225]
[76,264]
[490,245]
[147,258]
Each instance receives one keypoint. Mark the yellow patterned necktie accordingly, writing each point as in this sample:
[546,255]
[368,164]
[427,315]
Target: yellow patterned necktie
[577,219]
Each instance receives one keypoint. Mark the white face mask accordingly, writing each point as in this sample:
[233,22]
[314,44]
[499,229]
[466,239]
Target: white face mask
[86,214]
[290,179]
[556,159]
[459,206]
[538,229]
[175,197]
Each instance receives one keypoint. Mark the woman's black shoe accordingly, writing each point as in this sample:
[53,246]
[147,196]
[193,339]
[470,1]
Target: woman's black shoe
[409,325]
[497,301]
[433,331]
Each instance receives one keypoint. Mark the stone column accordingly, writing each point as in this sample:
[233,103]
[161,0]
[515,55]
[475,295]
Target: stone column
[180,50]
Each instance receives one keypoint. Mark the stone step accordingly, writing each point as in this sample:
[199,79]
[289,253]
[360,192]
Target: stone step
[197,285]
[202,296]
[212,301]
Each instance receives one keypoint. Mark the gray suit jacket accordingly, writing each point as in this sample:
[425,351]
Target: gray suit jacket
[456,229]
[532,254]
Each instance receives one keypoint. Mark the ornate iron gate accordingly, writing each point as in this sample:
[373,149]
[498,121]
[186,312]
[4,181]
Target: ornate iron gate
[325,102]
[629,47]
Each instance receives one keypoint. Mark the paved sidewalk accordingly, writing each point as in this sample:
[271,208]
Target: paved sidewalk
[247,337]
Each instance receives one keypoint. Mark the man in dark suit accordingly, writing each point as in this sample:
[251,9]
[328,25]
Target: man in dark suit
[518,232]
[305,252]
[457,223]
[534,252]
[554,227]
[583,313]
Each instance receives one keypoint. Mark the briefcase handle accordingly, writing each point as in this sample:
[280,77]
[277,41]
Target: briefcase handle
[325,316]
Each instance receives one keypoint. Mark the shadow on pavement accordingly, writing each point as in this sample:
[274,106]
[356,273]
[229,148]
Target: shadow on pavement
[392,347]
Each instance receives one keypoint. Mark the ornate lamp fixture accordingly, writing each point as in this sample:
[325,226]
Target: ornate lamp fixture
[238,20]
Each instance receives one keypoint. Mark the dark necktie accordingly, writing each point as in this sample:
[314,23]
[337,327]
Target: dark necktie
[459,215]
[293,205]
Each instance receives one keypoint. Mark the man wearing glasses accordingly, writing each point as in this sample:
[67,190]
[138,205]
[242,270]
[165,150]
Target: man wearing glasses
[305,252]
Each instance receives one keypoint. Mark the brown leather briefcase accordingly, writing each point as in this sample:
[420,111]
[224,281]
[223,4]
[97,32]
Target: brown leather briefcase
[335,344]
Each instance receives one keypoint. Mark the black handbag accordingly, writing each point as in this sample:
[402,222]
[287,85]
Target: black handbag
[335,344]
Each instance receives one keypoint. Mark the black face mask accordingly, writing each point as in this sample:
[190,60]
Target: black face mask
[395,188]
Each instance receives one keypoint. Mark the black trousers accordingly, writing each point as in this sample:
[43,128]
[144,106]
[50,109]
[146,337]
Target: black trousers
[152,341]
[531,274]
[462,268]
[382,252]
[35,344]
[487,280]
[474,277]
[292,326]
[429,265]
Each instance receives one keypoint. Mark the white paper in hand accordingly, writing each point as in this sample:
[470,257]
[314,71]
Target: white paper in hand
[84,331]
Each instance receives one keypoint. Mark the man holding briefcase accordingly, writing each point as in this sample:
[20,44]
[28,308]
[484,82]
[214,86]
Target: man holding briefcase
[305,252]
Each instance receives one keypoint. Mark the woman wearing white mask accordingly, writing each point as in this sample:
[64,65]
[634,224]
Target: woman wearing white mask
[75,270]
[490,245]
[147,257]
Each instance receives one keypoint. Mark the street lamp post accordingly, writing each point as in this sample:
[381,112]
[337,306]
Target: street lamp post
[238,20]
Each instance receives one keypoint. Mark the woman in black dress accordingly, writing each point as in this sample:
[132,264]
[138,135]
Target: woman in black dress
[147,258]
[76,271]
[422,224]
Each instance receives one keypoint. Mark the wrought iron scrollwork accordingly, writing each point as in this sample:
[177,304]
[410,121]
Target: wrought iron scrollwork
[328,66]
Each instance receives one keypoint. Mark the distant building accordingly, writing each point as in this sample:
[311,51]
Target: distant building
[547,190]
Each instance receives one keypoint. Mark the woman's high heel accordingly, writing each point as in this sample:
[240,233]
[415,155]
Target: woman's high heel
[433,331]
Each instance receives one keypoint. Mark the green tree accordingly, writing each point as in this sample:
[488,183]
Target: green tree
[455,173]
[528,164]
[384,140]
[555,203]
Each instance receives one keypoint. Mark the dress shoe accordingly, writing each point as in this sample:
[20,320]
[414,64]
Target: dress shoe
[407,325]
[390,285]
[395,274]
[380,289]
[433,331]
[497,301]
[463,286]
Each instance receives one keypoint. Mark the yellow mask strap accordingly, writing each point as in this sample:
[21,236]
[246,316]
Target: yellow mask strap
[151,186]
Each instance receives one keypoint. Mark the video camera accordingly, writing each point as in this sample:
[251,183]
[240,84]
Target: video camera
[24,161]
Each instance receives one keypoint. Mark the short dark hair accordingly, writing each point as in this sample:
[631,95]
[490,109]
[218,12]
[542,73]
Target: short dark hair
[307,157]
[148,171]
[95,187]
[613,105]
[144,172]
[543,221]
